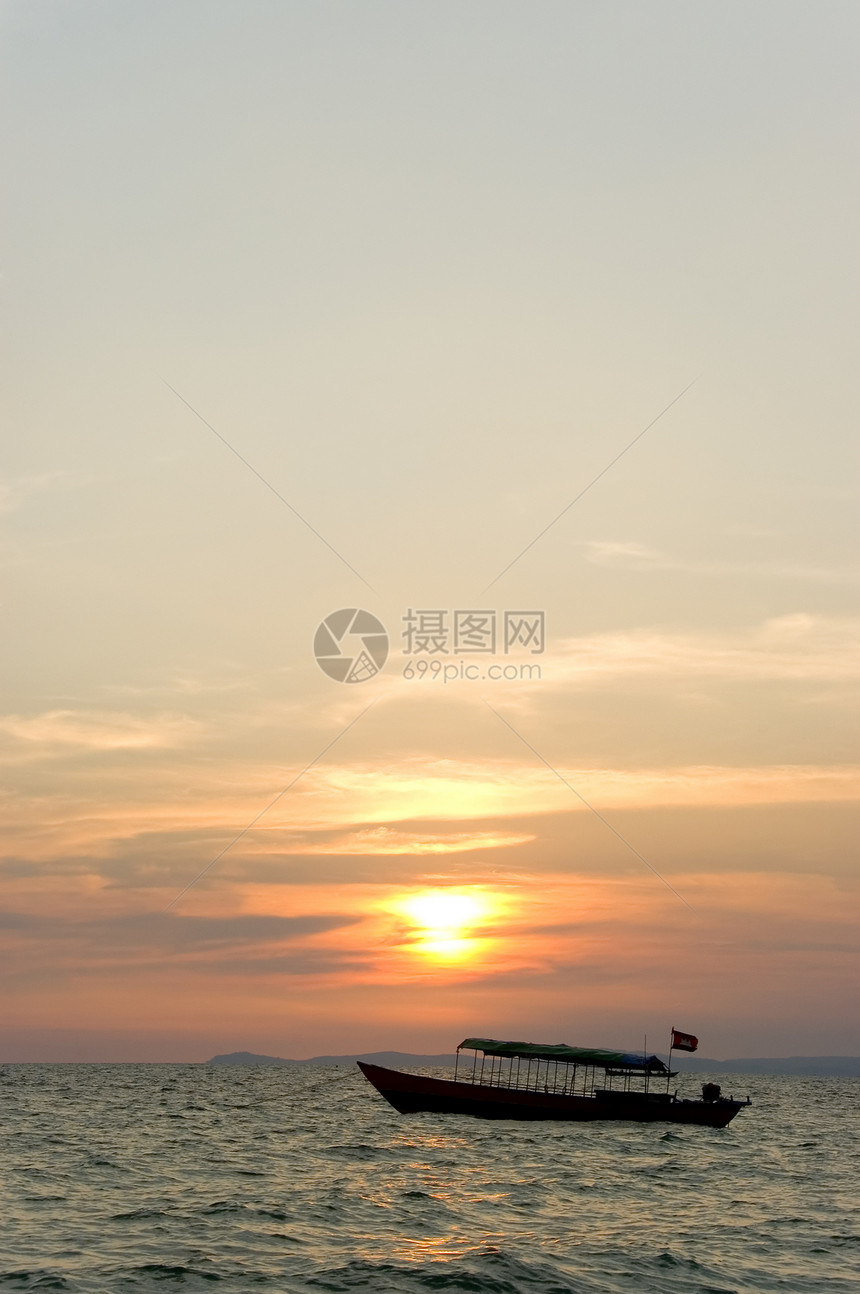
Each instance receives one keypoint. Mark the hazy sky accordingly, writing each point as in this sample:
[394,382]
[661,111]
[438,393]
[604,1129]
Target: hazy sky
[428,269]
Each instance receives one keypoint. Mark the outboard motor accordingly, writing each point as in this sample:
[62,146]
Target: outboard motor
[711,1091]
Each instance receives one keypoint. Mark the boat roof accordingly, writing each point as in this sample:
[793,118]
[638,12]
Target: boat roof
[569,1055]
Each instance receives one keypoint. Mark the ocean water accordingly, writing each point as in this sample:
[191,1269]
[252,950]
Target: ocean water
[149,1177]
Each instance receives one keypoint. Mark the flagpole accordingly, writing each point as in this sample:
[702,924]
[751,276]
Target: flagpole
[671,1044]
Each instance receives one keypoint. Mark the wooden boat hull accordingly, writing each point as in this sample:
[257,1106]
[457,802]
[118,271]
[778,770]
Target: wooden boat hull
[410,1093]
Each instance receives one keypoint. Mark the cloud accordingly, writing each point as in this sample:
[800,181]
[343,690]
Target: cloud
[791,647]
[797,648]
[308,961]
[457,790]
[352,810]
[55,732]
[384,840]
[15,491]
[618,553]
[246,940]
[170,930]
[637,557]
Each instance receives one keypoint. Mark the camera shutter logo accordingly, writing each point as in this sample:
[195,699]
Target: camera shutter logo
[351,645]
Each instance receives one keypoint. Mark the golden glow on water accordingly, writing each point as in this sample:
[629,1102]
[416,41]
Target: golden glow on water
[442,1248]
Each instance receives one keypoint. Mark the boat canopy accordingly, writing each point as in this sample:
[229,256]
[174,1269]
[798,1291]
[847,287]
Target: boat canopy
[568,1055]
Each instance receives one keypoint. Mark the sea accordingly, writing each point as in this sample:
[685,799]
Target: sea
[236,1179]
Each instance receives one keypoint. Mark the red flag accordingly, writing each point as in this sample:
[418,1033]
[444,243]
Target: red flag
[684,1041]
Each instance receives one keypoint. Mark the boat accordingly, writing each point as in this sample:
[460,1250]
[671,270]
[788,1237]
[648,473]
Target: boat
[526,1080]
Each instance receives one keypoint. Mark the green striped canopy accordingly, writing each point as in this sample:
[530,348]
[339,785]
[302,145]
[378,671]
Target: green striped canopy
[568,1055]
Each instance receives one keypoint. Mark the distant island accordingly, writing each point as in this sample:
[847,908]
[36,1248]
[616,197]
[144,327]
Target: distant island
[376,1057]
[823,1066]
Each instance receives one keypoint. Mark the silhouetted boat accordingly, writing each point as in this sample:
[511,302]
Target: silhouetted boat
[544,1081]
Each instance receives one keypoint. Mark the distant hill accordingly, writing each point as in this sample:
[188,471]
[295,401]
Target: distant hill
[375,1058]
[825,1066]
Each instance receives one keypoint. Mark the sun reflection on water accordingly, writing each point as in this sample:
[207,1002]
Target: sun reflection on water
[441,1248]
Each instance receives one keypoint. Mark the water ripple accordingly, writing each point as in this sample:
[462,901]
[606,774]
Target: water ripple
[141,1178]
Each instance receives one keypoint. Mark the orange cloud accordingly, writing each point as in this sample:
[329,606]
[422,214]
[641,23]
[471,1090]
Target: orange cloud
[359,805]
[385,840]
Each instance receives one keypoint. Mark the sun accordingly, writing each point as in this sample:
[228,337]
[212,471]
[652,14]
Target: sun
[445,913]
[446,924]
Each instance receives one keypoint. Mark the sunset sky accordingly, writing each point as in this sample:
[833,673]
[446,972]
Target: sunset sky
[312,306]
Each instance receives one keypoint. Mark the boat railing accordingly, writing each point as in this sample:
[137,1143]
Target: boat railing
[548,1075]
